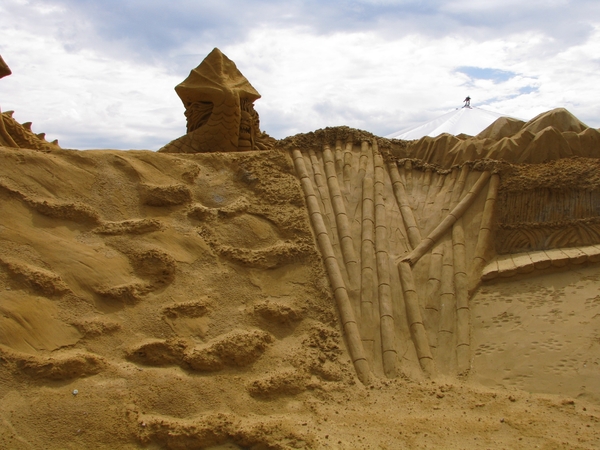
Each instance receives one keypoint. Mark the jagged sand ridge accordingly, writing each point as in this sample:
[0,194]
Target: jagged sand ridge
[186,300]
[551,135]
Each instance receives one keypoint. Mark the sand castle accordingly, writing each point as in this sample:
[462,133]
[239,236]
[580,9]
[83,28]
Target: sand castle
[231,289]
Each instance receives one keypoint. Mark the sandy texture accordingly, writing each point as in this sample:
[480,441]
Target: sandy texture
[333,292]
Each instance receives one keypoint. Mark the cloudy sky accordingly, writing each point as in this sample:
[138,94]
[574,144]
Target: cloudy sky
[101,73]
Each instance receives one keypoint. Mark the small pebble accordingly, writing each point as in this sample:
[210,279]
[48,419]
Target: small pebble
[502,420]
[75,392]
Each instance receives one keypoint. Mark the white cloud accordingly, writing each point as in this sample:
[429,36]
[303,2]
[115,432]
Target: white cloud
[88,100]
[93,78]
[361,80]
[468,6]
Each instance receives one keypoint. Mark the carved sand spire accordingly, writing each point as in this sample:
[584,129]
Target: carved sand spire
[219,108]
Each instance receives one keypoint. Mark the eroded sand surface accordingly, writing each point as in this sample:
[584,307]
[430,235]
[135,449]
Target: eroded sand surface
[185,300]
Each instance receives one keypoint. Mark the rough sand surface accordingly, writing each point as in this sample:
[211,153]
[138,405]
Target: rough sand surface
[179,301]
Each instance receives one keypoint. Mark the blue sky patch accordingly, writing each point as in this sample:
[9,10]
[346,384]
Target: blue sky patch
[528,89]
[486,73]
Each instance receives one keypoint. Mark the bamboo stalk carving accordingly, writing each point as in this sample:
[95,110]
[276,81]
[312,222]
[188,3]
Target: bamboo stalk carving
[463,319]
[339,159]
[324,194]
[363,160]
[424,188]
[368,273]
[415,321]
[349,324]
[341,218]
[348,165]
[432,294]
[386,311]
[409,175]
[461,292]
[446,350]
[459,185]
[451,178]
[414,235]
[431,196]
[450,219]
[345,190]
[484,239]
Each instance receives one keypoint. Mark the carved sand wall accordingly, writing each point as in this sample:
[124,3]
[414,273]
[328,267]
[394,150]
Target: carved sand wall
[547,206]
[407,243]
[393,240]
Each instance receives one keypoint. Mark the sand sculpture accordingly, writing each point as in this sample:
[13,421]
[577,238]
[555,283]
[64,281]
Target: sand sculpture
[219,108]
[552,135]
[408,231]
[233,299]
[14,134]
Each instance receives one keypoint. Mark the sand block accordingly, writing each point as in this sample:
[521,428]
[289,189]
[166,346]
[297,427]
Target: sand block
[592,252]
[523,263]
[576,256]
[557,257]
[490,271]
[506,266]
[540,260]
